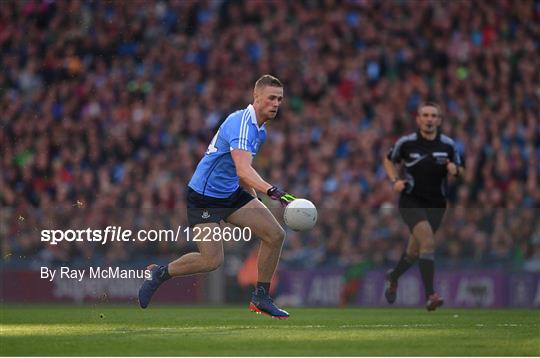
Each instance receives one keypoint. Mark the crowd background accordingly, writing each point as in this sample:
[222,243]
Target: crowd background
[106,108]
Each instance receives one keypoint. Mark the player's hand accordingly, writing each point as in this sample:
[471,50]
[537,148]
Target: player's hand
[451,168]
[400,185]
[277,194]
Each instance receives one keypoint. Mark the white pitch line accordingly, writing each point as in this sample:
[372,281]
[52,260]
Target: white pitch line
[369,326]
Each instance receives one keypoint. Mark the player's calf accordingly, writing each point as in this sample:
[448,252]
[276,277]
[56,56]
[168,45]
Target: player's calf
[211,263]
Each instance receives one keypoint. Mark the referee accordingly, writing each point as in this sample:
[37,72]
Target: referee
[428,158]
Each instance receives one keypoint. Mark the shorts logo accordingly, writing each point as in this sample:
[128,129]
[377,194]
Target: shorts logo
[205,214]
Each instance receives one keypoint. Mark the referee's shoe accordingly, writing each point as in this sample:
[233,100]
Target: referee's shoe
[433,301]
[390,287]
[262,303]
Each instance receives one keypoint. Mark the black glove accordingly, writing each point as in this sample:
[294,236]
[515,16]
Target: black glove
[277,194]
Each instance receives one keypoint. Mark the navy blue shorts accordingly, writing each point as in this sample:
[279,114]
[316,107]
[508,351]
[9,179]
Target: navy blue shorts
[202,209]
[414,209]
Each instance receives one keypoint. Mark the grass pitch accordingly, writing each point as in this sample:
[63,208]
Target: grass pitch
[234,331]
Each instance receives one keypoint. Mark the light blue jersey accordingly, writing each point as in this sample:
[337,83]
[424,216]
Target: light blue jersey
[215,175]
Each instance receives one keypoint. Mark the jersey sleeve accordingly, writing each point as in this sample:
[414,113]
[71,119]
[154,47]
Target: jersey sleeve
[461,160]
[394,154]
[241,134]
[458,158]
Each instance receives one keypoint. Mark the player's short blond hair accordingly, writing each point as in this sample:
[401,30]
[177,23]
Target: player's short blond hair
[267,80]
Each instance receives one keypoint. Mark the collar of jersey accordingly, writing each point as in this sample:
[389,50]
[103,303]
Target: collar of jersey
[437,137]
[253,116]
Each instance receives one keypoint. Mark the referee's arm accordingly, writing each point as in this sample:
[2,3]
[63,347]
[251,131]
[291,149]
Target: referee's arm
[456,166]
[390,169]
[455,169]
[392,173]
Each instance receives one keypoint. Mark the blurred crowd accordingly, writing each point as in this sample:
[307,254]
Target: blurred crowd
[110,105]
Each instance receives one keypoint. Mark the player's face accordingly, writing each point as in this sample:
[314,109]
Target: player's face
[428,119]
[268,100]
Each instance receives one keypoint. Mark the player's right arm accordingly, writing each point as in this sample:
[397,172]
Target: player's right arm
[392,174]
[245,171]
[249,176]
[242,137]
[248,188]
[391,171]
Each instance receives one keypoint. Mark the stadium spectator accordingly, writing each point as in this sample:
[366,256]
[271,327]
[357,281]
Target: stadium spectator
[110,105]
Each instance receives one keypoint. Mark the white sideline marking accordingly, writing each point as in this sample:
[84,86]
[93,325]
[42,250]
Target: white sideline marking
[232,328]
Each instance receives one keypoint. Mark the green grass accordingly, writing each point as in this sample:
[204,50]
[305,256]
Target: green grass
[234,331]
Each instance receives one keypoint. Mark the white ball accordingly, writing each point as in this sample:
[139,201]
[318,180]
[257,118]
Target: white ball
[300,215]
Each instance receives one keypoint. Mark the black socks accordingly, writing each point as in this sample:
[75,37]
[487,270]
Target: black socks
[263,286]
[405,262]
[163,273]
[427,268]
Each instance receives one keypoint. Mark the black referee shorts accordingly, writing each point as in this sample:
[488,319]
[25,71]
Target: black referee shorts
[414,209]
[202,209]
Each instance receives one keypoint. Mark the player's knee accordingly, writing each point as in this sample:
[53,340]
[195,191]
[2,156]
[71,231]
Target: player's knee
[276,237]
[412,256]
[422,230]
[426,238]
[427,245]
[427,255]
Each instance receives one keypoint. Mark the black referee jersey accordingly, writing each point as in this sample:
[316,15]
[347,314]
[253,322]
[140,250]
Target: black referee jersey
[425,164]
